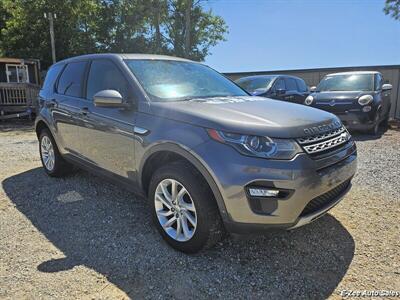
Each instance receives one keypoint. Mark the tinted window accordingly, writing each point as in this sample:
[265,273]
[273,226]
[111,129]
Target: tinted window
[255,84]
[301,85]
[280,84]
[51,77]
[347,82]
[290,84]
[71,79]
[170,80]
[105,75]
[378,82]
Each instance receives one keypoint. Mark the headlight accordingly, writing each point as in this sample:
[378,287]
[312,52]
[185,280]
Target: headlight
[259,146]
[365,100]
[309,100]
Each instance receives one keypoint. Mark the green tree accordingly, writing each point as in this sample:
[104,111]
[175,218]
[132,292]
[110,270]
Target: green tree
[392,8]
[191,31]
[175,27]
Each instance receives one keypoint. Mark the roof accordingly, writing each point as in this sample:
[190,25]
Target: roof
[266,76]
[125,56]
[327,69]
[353,73]
[12,60]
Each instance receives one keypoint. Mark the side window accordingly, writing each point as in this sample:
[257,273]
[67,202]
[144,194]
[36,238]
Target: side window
[290,84]
[301,86]
[71,79]
[51,77]
[280,85]
[378,82]
[104,75]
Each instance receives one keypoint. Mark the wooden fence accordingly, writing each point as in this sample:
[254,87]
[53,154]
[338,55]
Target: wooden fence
[18,94]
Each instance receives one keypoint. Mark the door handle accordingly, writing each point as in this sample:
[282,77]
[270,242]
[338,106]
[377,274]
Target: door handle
[84,111]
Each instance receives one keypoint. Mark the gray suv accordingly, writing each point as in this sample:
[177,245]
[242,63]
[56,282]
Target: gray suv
[209,157]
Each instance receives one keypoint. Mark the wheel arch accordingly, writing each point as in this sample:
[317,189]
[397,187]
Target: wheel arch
[164,153]
[40,125]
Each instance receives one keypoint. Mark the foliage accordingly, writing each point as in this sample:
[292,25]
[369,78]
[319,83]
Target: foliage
[174,27]
[392,8]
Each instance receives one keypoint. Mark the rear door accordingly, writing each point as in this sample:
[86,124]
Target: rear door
[64,105]
[107,134]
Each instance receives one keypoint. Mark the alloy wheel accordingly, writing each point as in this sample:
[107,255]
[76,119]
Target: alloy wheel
[47,151]
[175,210]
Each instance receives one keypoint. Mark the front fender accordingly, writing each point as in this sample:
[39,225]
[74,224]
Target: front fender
[190,156]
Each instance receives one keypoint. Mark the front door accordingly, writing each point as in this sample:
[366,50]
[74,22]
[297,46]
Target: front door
[107,134]
[278,89]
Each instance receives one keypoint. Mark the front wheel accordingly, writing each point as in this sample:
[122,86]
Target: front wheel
[375,129]
[184,209]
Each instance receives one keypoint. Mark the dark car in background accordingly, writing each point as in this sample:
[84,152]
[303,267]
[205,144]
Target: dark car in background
[281,87]
[360,99]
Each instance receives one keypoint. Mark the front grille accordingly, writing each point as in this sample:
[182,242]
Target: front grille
[317,144]
[324,200]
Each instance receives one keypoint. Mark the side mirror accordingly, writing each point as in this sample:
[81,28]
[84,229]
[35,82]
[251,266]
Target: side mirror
[109,98]
[313,89]
[280,91]
[259,91]
[386,87]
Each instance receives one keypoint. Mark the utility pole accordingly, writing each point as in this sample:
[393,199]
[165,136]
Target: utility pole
[188,11]
[51,17]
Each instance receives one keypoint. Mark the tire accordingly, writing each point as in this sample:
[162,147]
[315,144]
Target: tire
[49,152]
[375,129]
[197,204]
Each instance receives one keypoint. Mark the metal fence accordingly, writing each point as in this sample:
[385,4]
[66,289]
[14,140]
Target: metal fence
[312,77]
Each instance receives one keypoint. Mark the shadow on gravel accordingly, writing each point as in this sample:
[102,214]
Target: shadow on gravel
[102,227]
[361,136]
[20,125]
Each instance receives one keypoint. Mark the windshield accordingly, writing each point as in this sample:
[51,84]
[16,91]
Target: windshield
[170,80]
[350,82]
[255,84]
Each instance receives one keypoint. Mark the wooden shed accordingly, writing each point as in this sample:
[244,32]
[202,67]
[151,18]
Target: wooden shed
[19,87]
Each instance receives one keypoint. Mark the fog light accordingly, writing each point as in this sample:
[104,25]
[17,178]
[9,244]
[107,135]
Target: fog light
[260,192]
[366,108]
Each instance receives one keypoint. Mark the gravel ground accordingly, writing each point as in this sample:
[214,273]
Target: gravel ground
[82,237]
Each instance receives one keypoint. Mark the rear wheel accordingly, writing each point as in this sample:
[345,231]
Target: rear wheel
[183,208]
[52,161]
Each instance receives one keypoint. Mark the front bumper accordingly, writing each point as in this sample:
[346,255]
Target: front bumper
[305,179]
[357,120]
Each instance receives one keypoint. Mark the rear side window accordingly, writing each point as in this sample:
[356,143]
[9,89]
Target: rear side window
[104,75]
[71,80]
[301,85]
[51,77]
[290,84]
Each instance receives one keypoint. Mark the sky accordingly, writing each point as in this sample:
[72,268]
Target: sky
[300,34]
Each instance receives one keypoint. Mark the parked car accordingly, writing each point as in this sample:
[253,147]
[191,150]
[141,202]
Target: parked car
[360,99]
[208,156]
[281,87]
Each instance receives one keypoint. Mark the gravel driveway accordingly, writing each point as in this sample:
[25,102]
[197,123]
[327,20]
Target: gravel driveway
[83,237]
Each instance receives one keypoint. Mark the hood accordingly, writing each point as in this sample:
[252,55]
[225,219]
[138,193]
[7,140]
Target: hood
[248,115]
